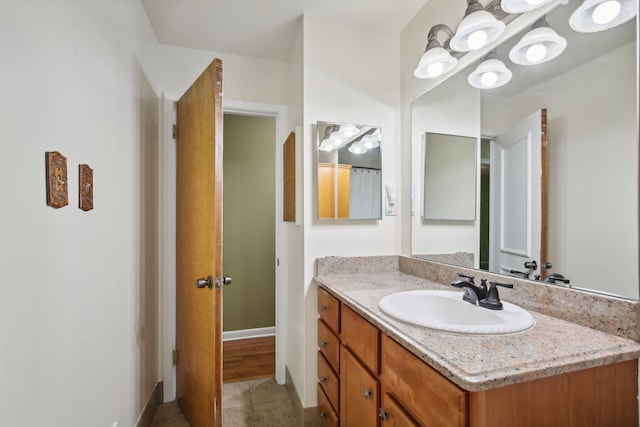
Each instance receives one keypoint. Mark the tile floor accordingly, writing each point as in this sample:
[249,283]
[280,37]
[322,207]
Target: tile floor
[255,403]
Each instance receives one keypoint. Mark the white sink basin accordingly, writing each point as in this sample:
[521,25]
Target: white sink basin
[446,311]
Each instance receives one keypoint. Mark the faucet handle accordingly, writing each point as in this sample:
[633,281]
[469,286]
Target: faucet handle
[470,278]
[492,301]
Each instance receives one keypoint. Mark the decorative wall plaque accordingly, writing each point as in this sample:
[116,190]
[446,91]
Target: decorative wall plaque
[57,189]
[85,188]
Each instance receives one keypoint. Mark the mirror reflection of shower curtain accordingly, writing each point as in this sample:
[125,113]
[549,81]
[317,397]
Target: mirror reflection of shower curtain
[365,193]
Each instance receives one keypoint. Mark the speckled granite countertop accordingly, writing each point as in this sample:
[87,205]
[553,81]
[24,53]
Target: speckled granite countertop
[480,362]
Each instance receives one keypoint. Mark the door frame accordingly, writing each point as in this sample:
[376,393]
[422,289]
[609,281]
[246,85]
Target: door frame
[167,231]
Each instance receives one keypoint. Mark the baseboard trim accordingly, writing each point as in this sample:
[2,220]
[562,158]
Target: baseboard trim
[243,334]
[149,409]
[307,417]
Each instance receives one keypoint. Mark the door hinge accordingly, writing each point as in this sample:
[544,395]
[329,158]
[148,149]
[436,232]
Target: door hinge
[174,132]
[174,357]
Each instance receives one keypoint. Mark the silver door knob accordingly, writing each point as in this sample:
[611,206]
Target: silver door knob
[224,280]
[204,283]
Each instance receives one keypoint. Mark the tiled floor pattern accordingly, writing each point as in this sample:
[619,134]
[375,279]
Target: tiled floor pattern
[256,403]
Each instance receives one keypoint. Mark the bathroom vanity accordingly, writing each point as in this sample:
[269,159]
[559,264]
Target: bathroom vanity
[374,370]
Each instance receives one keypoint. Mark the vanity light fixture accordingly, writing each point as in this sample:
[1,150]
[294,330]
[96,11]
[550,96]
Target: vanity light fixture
[490,74]
[540,44]
[436,60]
[357,148]
[599,15]
[477,29]
[521,6]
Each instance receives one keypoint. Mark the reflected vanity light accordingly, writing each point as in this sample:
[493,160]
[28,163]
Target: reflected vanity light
[599,15]
[521,6]
[331,142]
[369,142]
[490,74]
[349,130]
[357,148]
[477,29]
[435,60]
[540,44]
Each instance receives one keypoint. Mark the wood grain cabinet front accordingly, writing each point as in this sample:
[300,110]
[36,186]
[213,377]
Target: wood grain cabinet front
[367,379]
[328,417]
[392,414]
[329,382]
[429,397]
[359,392]
[329,310]
[329,345]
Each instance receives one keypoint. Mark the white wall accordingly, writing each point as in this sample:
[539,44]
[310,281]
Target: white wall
[350,75]
[78,290]
[292,253]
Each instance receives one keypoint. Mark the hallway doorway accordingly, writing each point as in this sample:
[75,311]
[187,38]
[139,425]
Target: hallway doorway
[249,235]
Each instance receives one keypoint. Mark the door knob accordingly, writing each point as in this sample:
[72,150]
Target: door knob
[203,283]
[224,280]
[532,265]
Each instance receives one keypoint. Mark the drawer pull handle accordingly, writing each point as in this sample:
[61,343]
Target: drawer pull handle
[324,344]
[323,307]
[368,394]
[383,415]
[323,380]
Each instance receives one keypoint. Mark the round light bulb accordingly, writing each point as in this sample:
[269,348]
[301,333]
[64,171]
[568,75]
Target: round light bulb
[488,79]
[435,69]
[606,12]
[477,39]
[536,53]
[534,2]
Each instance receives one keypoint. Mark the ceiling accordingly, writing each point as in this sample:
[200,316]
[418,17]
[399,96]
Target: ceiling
[264,28]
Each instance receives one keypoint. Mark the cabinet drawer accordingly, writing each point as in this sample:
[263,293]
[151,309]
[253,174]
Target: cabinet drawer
[361,337]
[329,345]
[328,418]
[329,381]
[329,310]
[428,396]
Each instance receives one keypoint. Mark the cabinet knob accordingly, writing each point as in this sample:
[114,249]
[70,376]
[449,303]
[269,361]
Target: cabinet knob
[323,380]
[323,415]
[323,307]
[324,344]
[383,415]
[368,394]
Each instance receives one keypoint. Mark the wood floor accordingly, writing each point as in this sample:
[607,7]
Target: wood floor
[248,359]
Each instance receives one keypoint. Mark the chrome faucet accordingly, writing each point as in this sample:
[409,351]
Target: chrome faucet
[473,293]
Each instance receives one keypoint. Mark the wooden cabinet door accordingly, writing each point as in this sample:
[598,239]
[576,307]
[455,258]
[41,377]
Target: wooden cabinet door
[359,393]
[392,415]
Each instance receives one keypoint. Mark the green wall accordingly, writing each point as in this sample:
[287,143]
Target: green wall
[249,222]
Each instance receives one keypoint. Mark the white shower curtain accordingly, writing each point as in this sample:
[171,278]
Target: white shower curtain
[365,194]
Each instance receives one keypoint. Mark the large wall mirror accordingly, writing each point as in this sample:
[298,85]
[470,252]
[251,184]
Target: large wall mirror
[557,173]
[349,171]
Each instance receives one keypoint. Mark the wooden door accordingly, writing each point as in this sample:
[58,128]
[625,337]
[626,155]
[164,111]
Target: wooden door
[199,249]
[518,193]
